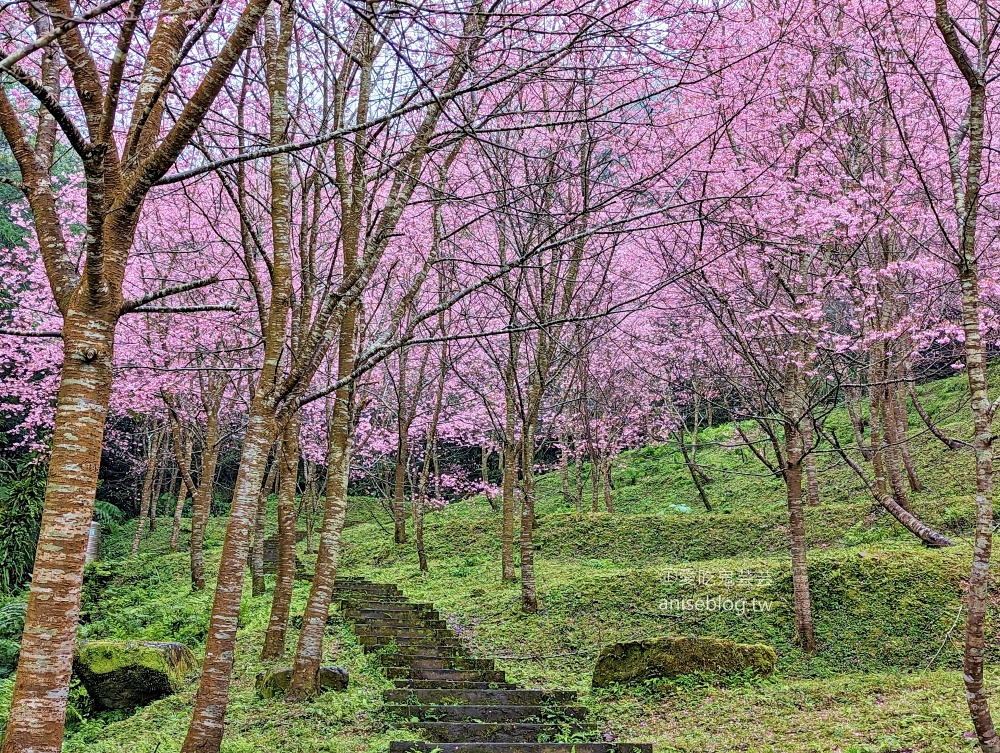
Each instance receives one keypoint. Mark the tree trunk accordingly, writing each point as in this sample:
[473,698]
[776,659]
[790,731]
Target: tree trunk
[277,626]
[201,500]
[595,481]
[437,473]
[529,598]
[38,709]
[891,446]
[418,509]
[509,481]
[257,583]
[606,479]
[695,476]
[578,490]
[205,732]
[309,653]
[306,501]
[399,484]
[797,537]
[875,432]
[902,424]
[949,442]
[175,533]
[485,473]
[978,597]
[147,488]
[564,469]
[852,398]
[154,496]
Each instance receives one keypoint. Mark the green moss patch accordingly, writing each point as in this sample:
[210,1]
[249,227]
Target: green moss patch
[121,675]
[675,656]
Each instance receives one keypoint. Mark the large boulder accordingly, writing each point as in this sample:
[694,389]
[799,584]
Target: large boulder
[122,675]
[275,682]
[675,656]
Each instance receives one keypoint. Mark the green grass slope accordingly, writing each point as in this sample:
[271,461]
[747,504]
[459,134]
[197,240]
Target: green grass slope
[887,676]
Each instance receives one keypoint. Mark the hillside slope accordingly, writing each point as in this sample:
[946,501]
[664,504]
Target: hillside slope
[886,678]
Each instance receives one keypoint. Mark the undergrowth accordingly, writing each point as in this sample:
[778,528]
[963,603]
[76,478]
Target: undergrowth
[886,678]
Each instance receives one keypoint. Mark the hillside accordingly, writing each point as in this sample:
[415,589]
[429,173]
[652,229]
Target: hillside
[887,676]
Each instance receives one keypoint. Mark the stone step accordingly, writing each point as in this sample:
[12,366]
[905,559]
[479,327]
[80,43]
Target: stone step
[409,683]
[360,595]
[411,623]
[419,650]
[496,732]
[390,615]
[435,662]
[372,592]
[402,620]
[410,632]
[464,675]
[459,703]
[479,697]
[479,714]
[403,746]
[398,603]
[387,640]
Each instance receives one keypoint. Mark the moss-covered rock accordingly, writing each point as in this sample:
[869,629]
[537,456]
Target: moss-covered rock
[675,656]
[120,675]
[275,682]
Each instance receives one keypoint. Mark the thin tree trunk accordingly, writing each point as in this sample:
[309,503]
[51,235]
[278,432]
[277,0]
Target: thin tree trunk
[949,442]
[201,500]
[966,199]
[399,483]
[485,473]
[277,626]
[257,584]
[595,481]
[606,477]
[578,490]
[147,488]
[797,536]
[564,469]
[205,731]
[978,597]
[418,510]
[893,466]
[154,496]
[529,597]
[306,501]
[208,720]
[855,410]
[309,653]
[437,473]
[509,482]
[175,533]
[902,424]
[695,476]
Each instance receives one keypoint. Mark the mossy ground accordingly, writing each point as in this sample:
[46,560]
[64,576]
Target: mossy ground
[887,676]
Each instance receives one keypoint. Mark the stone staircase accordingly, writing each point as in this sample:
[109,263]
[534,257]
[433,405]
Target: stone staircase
[461,704]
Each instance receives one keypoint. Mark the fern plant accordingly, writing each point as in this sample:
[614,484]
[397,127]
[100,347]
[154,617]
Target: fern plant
[22,490]
[108,515]
[12,619]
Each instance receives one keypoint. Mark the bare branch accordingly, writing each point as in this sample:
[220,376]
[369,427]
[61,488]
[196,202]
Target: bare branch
[132,305]
[186,309]
[31,333]
[58,31]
